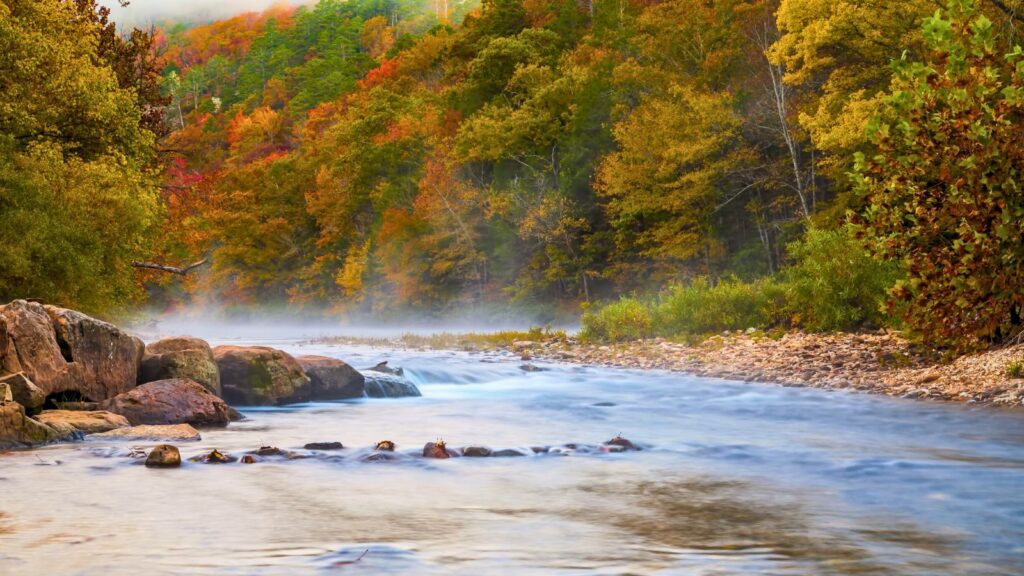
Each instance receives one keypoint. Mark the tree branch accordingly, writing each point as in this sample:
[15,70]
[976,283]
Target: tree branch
[1009,11]
[170,269]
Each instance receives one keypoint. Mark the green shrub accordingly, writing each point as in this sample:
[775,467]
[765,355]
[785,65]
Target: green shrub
[702,308]
[627,319]
[834,284]
[1015,369]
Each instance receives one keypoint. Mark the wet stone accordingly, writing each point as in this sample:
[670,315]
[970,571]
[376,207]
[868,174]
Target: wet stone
[164,456]
[324,446]
[214,457]
[477,451]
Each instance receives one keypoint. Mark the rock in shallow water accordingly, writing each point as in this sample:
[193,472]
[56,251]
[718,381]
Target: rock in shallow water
[476,451]
[175,433]
[324,446]
[67,422]
[164,456]
[260,376]
[18,430]
[331,379]
[181,357]
[176,401]
[214,457]
[381,385]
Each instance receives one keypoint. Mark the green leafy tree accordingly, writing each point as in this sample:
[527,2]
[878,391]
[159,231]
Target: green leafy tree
[942,185]
[77,201]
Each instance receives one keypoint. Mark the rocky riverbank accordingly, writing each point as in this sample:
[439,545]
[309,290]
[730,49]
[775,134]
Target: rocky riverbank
[65,375]
[878,363]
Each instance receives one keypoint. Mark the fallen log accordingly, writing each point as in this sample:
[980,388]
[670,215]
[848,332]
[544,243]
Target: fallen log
[171,269]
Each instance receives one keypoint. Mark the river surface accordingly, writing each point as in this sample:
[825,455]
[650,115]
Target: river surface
[734,479]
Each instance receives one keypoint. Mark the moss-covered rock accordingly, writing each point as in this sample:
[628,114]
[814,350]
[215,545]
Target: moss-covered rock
[260,376]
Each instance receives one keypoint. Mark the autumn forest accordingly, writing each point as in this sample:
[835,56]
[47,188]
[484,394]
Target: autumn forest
[384,157]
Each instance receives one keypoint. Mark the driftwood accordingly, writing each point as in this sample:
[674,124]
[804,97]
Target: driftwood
[170,269]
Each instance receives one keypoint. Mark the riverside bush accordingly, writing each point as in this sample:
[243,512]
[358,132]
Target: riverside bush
[834,284]
[701,307]
[626,319]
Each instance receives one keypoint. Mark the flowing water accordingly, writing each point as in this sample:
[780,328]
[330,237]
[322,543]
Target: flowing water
[734,479]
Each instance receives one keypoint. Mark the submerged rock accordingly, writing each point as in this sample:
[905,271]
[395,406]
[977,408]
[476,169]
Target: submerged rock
[175,433]
[476,451]
[68,422]
[531,368]
[324,446]
[24,392]
[260,376]
[382,385]
[507,453]
[214,457]
[17,430]
[383,368]
[621,442]
[437,450]
[382,456]
[181,357]
[176,401]
[249,459]
[331,379]
[164,456]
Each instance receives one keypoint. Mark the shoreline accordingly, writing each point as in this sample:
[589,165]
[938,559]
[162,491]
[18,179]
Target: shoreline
[873,363]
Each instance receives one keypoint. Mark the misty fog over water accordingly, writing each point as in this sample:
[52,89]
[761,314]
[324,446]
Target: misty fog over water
[142,13]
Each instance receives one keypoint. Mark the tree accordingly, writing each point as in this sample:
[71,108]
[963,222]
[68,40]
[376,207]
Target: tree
[77,200]
[664,182]
[942,183]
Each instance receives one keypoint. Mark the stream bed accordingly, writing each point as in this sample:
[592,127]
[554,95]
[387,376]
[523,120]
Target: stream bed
[734,478]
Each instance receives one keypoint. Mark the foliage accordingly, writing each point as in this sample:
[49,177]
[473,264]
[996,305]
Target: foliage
[703,308]
[1015,369]
[77,198]
[623,320]
[834,284]
[941,185]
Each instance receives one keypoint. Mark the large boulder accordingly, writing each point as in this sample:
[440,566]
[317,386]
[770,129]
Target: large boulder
[331,379]
[28,343]
[19,431]
[181,357]
[381,385]
[68,422]
[109,358]
[174,401]
[62,350]
[24,391]
[260,376]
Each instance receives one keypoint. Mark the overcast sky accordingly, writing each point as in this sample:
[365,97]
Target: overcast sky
[144,12]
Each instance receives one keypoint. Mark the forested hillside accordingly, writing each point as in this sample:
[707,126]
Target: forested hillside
[386,156]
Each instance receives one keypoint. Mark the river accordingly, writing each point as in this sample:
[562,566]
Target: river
[734,479]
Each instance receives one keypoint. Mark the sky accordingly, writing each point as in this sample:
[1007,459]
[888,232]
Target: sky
[144,12]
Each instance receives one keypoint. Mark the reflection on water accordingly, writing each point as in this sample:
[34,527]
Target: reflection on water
[734,479]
